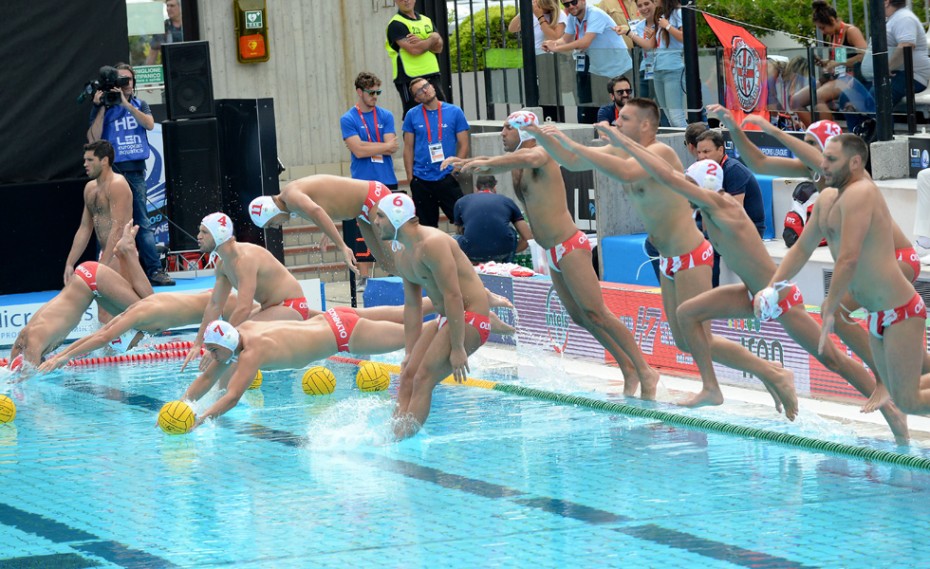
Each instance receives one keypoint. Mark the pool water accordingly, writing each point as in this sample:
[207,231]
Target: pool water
[494,480]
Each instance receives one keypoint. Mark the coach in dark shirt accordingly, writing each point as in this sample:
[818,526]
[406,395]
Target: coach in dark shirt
[738,181]
[490,226]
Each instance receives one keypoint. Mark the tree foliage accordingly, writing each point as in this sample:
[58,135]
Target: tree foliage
[472,48]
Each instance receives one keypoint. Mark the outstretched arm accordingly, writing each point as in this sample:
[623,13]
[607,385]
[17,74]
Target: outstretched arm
[113,329]
[523,158]
[301,204]
[662,171]
[750,153]
[807,157]
[552,140]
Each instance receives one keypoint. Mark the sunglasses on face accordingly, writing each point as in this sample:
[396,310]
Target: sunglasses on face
[623,92]
[422,89]
[372,91]
[570,3]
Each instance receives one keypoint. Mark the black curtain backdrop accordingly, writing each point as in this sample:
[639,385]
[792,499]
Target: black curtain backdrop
[49,51]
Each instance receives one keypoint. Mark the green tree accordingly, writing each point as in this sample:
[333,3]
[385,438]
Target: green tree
[471,49]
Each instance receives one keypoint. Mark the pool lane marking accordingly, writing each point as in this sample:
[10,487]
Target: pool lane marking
[59,532]
[482,488]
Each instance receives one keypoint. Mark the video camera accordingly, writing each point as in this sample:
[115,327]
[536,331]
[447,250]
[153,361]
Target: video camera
[109,79]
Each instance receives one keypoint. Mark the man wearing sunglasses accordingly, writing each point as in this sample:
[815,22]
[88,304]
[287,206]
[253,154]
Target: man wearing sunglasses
[598,51]
[620,90]
[368,131]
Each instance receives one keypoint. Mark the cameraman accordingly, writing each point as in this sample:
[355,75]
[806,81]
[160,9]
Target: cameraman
[124,125]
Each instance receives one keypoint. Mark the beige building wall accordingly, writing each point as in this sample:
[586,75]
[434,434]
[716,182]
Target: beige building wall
[317,48]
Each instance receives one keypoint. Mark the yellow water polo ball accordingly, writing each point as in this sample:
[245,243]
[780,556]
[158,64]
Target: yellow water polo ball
[318,381]
[176,418]
[257,382]
[7,409]
[373,376]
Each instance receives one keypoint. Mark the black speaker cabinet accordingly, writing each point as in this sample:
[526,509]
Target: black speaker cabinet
[192,177]
[188,80]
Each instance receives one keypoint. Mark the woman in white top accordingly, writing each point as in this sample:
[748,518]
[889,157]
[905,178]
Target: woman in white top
[670,63]
[549,24]
[643,34]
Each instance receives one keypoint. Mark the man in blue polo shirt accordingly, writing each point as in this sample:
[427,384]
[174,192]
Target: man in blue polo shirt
[368,131]
[489,226]
[433,131]
[738,181]
[598,51]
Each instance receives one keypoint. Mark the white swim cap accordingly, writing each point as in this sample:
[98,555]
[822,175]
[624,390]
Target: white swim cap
[222,334]
[521,119]
[399,209]
[220,227]
[707,174]
[823,131]
[123,344]
[262,209]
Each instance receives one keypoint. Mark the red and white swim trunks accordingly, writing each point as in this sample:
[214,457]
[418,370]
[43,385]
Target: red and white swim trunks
[909,255]
[88,273]
[577,241]
[376,191]
[881,319]
[702,255]
[479,322]
[300,305]
[342,321]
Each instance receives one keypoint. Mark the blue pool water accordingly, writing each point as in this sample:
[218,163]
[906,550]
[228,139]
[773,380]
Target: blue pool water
[495,480]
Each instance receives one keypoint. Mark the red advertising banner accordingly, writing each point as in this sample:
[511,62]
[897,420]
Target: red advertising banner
[745,70]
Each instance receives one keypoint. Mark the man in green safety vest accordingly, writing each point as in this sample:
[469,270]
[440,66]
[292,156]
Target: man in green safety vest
[413,43]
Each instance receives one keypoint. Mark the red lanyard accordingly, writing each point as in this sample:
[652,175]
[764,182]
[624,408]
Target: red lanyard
[626,13]
[616,111]
[429,135]
[584,23]
[374,118]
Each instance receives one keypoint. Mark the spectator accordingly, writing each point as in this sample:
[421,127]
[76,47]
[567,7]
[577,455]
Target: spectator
[173,32]
[598,51]
[125,126]
[922,220]
[622,13]
[903,29]
[738,181]
[549,25]
[692,132]
[413,43]
[847,47]
[620,90]
[668,78]
[433,131]
[368,131]
[643,36]
[489,226]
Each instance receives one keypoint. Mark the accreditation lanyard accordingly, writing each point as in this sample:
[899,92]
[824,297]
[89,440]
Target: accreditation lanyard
[584,25]
[837,42]
[616,111]
[429,134]
[374,119]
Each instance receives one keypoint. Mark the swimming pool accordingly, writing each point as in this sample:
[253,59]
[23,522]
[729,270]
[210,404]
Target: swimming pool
[494,480]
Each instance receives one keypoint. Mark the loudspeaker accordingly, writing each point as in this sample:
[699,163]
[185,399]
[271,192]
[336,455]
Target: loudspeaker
[192,177]
[188,80]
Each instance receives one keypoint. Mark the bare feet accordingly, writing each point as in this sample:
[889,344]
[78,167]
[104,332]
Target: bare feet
[879,397]
[496,300]
[630,383]
[703,399]
[897,421]
[649,383]
[782,385]
[778,406]
[498,326]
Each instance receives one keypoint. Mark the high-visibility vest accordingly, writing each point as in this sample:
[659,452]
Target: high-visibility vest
[413,65]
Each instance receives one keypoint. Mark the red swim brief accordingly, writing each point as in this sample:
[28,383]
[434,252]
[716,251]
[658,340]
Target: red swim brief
[342,321]
[300,305]
[577,241]
[88,273]
[376,191]
[702,255]
[881,319]
[477,321]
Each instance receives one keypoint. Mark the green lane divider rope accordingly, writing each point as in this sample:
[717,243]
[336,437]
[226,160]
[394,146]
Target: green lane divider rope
[864,453]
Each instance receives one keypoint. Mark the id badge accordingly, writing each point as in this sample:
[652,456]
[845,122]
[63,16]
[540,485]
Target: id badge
[647,74]
[840,70]
[377,159]
[581,61]
[435,153]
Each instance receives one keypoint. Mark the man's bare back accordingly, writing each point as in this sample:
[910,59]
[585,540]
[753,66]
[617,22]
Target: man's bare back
[342,198]
[273,282]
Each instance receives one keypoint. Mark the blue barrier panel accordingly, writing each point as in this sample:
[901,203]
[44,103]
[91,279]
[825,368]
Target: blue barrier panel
[623,255]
